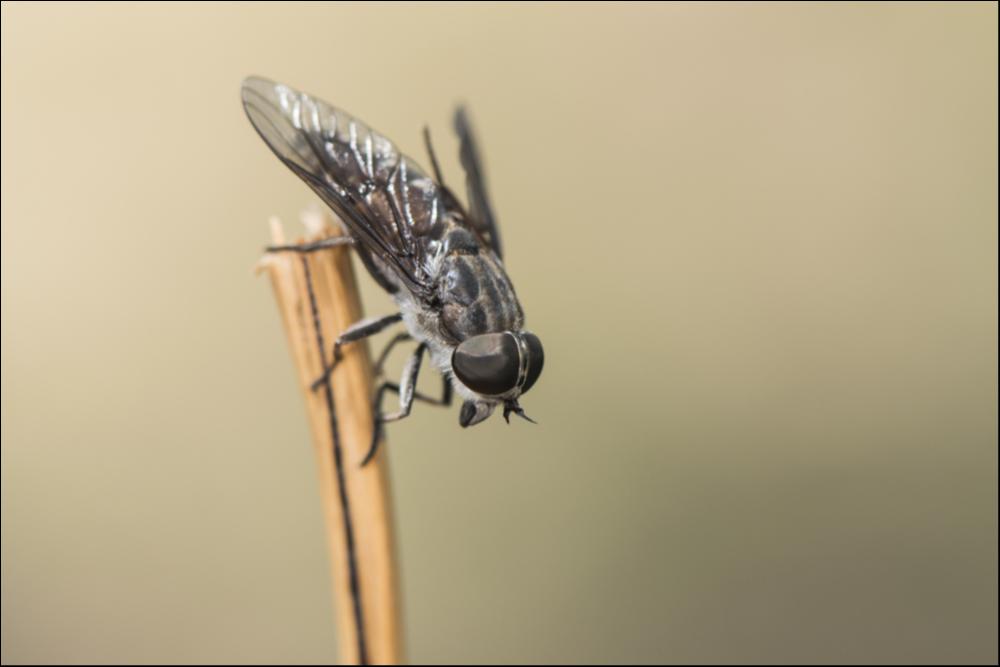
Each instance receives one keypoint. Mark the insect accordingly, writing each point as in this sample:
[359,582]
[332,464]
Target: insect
[442,263]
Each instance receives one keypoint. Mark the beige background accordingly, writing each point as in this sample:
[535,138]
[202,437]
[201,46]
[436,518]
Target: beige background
[759,242]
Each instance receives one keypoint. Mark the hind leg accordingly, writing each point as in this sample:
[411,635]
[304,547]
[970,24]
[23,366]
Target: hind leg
[322,244]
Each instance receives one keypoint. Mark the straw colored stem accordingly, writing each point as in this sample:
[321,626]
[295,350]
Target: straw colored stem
[365,585]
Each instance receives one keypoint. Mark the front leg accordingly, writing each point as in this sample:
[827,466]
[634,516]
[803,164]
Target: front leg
[444,401]
[355,332]
[407,394]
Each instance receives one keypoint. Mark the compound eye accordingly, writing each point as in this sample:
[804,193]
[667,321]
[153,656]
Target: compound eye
[488,363]
[536,359]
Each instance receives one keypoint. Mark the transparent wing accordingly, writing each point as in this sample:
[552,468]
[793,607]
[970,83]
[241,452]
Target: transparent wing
[480,212]
[387,202]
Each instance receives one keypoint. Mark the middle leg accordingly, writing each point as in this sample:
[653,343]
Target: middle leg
[407,394]
[384,355]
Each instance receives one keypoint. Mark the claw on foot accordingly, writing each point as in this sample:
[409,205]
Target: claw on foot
[321,380]
[373,448]
[512,406]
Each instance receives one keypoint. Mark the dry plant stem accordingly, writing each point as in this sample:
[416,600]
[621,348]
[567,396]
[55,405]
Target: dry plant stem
[356,500]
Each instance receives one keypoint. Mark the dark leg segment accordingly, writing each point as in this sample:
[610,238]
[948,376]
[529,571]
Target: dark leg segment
[444,401]
[355,332]
[399,338]
[407,394]
[432,156]
[322,244]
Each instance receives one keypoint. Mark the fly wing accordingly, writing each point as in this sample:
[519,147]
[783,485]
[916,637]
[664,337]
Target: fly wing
[480,212]
[384,198]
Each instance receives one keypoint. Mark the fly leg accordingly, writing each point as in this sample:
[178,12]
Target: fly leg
[432,156]
[303,248]
[444,401]
[399,338]
[407,394]
[407,388]
[355,332]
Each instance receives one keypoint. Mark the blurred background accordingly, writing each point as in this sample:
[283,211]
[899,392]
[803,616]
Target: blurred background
[758,241]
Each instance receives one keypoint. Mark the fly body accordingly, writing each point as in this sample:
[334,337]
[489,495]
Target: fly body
[441,262]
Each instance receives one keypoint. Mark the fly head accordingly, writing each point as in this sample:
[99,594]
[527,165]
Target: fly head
[500,367]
